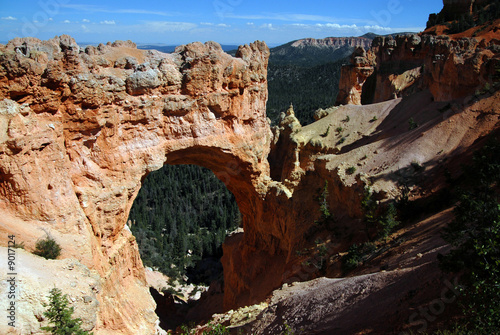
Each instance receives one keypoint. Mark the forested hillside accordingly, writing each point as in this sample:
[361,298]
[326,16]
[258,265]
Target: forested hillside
[308,88]
[181,215]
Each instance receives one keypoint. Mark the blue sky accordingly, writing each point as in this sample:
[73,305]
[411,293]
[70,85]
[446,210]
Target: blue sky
[224,21]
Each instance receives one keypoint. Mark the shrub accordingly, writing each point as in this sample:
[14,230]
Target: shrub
[326,133]
[47,248]
[353,258]
[356,255]
[412,124]
[60,315]
[216,329]
[416,165]
[369,206]
[388,222]
[323,202]
[351,170]
[288,330]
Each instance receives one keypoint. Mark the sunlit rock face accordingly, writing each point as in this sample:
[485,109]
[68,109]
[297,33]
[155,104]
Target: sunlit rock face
[80,128]
[402,65]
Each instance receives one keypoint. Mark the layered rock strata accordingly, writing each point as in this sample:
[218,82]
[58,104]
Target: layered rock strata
[334,42]
[80,128]
[402,65]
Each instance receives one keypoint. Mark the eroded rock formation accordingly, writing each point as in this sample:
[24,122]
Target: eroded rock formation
[454,9]
[81,128]
[354,76]
[335,42]
[402,65]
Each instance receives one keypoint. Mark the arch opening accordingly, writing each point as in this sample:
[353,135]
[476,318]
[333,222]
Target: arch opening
[180,218]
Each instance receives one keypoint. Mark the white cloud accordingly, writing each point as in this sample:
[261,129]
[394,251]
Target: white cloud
[99,9]
[51,19]
[335,29]
[9,18]
[267,26]
[165,26]
[84,28]
[297,17]
[108,22]
[250,24]
[66,21]
[222,25]
[86,20]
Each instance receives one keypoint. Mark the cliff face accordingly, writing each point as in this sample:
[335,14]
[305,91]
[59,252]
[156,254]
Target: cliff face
[453,9]
[354,76]
[449,68]
[334,42]
[81,128]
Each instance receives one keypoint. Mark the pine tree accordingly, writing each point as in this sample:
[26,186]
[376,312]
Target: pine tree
[60,315]
[475,237]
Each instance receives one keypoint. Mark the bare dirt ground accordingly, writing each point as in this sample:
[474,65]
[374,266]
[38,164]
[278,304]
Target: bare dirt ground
[34,278]
[371,301]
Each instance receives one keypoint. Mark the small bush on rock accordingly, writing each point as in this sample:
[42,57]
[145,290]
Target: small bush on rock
[47,248]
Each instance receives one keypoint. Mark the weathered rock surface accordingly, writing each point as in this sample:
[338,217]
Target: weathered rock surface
[354,76]
[334,42]
[81,128]
[453,9]
[401,65]
[35,277]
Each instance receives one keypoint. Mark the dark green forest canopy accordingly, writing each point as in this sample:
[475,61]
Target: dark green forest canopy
[181,215]
[307,88]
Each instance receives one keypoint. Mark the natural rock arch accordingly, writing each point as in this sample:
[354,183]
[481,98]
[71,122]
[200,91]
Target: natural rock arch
[82,128]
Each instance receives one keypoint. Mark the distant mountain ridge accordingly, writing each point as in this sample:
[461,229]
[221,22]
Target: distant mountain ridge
[311,51]
[171,48]
[334,42]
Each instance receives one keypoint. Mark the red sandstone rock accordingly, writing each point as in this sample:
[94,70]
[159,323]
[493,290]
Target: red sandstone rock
[80,129]
[449,68]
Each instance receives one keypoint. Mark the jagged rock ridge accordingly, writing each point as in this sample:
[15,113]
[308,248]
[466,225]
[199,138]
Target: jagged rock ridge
[334,42]
[405,64]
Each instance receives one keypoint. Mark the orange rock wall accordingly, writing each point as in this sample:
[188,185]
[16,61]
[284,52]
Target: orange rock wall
[80,129]
[402,65]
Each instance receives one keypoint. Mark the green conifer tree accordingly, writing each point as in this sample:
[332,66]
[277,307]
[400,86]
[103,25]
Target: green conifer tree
[60,315]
